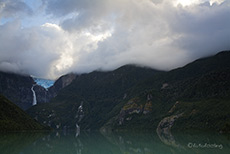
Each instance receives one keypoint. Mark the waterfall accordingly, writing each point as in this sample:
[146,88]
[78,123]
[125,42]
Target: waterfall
[34,95]
[80,113]
[78,117]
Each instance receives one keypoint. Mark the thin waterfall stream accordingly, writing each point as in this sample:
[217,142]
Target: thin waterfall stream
[34,95]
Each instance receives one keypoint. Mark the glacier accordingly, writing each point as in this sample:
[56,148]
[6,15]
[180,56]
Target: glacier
[44,82]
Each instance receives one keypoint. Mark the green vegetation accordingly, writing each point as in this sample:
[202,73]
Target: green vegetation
[133,97]
[210,114]
[100,93]
[12,118]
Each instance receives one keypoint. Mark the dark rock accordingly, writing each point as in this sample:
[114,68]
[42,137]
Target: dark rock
[62,82]
[17,88]
[42,94]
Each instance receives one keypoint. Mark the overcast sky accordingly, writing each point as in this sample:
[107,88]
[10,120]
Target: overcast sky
[49,38]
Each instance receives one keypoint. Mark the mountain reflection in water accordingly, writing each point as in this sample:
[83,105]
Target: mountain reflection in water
[68,142]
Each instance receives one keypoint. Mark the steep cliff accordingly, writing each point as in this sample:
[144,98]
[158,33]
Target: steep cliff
[17,88]
[133,97]
[61,83]
[98,92]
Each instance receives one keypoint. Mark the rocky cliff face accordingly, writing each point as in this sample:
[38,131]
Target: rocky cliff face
[62,82]
[42,95]
[133,97]
[135,107]
[45,95]
[17,88]
[100,92]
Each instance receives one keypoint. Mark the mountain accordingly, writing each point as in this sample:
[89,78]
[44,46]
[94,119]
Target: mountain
[198,94]
[17,88]
[97,92]
[12,118]
[61,83]
[22,90]
[195,96]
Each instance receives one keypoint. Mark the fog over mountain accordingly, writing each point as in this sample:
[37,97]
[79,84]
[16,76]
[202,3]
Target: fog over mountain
[48,38]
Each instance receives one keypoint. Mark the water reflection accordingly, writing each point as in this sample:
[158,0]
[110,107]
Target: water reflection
[106,143]
[192,142]
[71,142]
[196,142]
[137,142]
[14,143]
[167,138]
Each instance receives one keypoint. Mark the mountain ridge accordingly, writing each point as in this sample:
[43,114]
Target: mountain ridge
[133,97]
[12,118]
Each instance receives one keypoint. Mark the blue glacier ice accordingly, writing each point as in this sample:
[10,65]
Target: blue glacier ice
[44,82]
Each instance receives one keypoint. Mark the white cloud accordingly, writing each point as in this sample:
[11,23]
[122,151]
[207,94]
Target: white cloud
[87,35]
[14,9]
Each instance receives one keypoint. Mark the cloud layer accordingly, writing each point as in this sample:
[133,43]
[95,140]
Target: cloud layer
[81,36]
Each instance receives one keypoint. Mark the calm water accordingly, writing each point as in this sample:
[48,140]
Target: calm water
[113,143]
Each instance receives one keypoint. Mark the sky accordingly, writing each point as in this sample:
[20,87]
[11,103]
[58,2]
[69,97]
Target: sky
[49,38]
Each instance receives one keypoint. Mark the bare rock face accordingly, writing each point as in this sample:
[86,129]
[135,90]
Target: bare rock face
[62,82]
[134,107]
[42,94]
[17,88]
[130,108]
[67,79]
